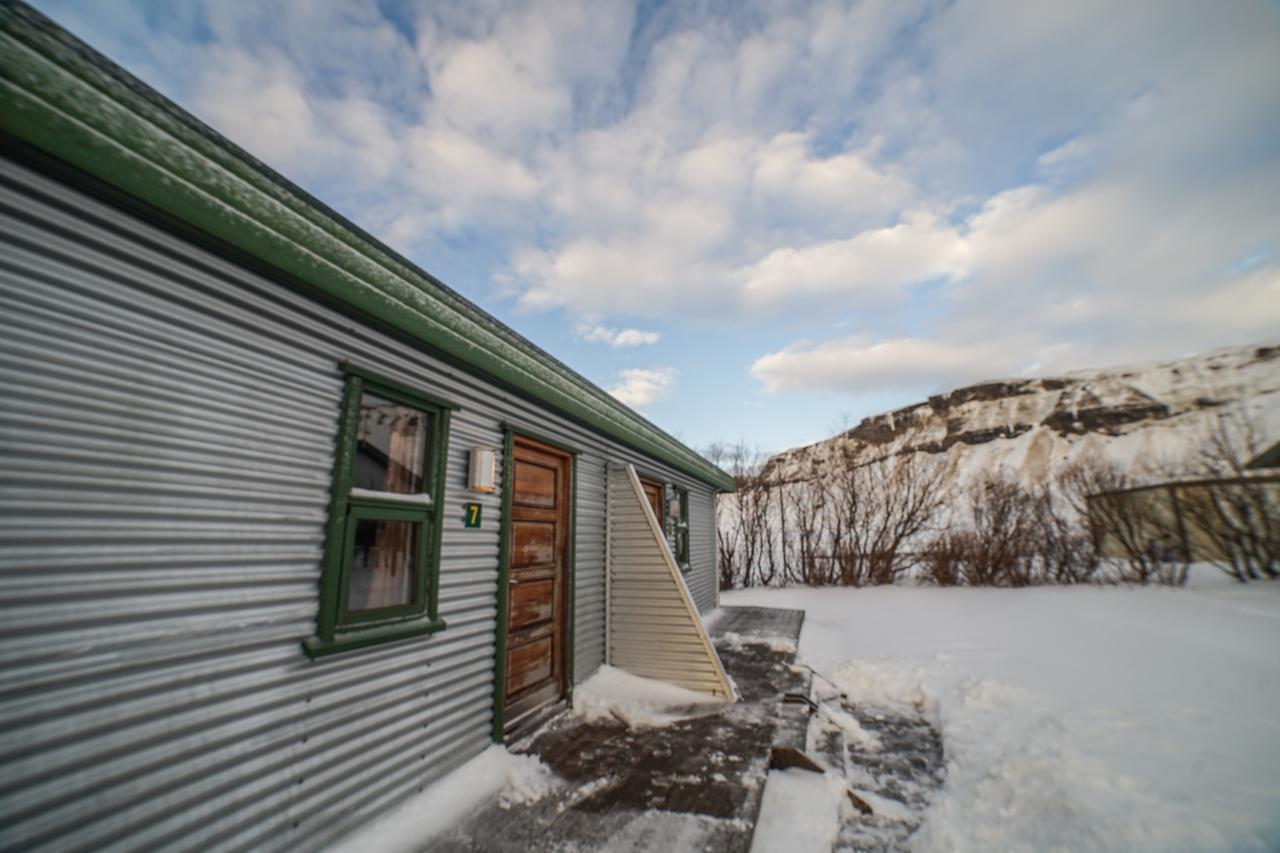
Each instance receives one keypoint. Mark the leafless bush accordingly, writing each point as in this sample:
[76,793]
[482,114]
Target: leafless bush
[805,560]
[879,508]
[1005,533]
[856,518]
[1068,550]
[855,523]
[942,560]
[746,533]
[1000,539]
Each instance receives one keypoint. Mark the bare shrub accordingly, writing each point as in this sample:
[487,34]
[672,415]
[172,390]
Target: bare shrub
[1002,522]
[750,528]
[743,462]
[1067,549]
[878,508]
[942,560]
[805,559]
[1007,534]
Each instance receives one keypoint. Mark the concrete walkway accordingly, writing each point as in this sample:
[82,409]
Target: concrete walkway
[693,785]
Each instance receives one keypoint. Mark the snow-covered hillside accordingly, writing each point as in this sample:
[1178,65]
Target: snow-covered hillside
[1146,417]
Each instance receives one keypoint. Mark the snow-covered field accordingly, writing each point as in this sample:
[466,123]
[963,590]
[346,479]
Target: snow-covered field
[1073,718]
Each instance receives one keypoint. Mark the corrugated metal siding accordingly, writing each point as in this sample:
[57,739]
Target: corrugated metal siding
[654,629]
[589,566]
[168,429]
[703,582]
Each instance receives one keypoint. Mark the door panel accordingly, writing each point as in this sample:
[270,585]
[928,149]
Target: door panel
[532,602]
[530,664]
[535,484]
[537,577]
[654,492]
[533,543]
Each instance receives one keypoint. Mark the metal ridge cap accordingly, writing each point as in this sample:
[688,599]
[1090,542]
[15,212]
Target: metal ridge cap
[118,129]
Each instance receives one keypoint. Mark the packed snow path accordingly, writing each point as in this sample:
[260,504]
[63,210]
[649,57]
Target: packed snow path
[635,773]
[893,763]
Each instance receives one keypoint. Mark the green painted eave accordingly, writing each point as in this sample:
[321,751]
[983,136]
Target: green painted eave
[62,97]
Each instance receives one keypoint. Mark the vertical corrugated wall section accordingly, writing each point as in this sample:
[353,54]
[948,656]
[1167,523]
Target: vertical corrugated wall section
[655,630]
[703,581]
[166,442]
[589,566]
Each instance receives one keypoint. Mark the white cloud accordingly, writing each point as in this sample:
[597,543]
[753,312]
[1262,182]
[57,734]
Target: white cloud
[789,179]
[644,277]
[855,364]
[638,387]
[883,259]
[261,104]
[462,173]
[480,86]
[616,338]
[1082,192]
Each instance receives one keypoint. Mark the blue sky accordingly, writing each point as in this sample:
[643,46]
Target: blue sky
[759,221]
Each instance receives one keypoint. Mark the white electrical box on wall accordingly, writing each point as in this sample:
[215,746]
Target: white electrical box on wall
[484,469]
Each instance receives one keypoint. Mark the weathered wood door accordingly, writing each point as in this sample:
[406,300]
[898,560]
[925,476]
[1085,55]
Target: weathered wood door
[655,493]
[537,577]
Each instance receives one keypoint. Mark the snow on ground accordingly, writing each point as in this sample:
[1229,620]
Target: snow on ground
[514,779]
[635,701]
[1073,718]
[801,812]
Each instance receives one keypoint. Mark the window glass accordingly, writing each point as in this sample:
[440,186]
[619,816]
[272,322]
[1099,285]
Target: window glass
[391,447]
[380,576]
[682,529]
[384,564]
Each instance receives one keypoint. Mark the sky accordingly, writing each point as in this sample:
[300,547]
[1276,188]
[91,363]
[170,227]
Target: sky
[762,222]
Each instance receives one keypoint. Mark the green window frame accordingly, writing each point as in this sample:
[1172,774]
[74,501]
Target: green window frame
[338,627]
[682,529]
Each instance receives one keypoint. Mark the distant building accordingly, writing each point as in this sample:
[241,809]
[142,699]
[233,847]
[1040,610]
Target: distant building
[1269,458]
[1224,520]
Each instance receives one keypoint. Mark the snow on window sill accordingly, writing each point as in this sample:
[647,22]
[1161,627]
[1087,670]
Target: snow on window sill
[418,499]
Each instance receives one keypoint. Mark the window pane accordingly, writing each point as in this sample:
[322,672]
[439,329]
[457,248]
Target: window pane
[384,564]
[391,447]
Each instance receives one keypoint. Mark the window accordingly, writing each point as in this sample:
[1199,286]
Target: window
[682,529]
[382,545]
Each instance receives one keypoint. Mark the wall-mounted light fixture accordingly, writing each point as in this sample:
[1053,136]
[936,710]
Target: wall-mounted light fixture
[484,469]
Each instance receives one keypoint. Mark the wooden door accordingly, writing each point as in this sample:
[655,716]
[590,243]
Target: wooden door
[537,577]
[655,493]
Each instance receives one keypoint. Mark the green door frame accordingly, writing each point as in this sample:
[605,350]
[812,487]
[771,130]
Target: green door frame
[509,433]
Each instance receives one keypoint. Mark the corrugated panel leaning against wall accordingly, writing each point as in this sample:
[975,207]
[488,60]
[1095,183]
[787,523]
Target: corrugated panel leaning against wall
[654,628]
[168,437]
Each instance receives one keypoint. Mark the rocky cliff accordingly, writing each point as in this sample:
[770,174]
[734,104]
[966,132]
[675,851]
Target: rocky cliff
[1147,417]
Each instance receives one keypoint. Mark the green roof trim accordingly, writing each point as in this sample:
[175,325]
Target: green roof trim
[60,96]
